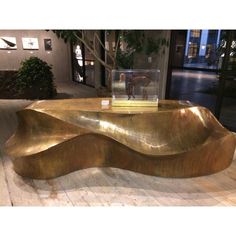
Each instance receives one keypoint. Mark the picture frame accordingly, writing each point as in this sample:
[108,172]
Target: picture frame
[8,43]
[48,44]
[30,43]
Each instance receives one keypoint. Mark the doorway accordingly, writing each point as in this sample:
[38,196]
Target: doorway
[83,65]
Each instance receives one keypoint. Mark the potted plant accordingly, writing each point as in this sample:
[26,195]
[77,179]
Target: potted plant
[35,79]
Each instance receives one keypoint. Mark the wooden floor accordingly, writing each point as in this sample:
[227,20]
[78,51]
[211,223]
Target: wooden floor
[107,186]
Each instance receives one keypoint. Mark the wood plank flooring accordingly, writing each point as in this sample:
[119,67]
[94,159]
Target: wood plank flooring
[107,186]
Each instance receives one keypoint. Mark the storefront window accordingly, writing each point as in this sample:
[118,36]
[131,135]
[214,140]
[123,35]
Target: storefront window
[193,50]
[201,50]
[195,33]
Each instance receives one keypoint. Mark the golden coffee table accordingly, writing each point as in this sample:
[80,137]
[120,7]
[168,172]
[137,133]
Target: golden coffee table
[175,139]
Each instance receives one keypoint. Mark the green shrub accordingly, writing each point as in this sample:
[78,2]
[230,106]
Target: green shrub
[35,79]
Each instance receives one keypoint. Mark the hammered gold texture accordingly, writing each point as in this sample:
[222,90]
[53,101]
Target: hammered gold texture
[175,139]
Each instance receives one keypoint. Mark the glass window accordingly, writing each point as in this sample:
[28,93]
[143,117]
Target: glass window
[193,50]
[195,33]
[201,49]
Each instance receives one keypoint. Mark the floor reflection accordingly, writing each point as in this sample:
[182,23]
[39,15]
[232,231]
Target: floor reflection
[190,85]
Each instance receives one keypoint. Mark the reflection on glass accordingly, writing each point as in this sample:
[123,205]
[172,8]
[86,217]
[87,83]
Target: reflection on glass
[232,59]
[228,109]
[231,66]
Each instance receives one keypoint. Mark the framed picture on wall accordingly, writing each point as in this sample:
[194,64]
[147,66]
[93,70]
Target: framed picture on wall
[30,43]
[48,44]
[8,43]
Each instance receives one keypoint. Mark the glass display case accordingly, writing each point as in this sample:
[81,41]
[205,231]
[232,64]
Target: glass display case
[135,87]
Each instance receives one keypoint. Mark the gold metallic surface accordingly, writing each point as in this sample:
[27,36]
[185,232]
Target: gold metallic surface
[175,139]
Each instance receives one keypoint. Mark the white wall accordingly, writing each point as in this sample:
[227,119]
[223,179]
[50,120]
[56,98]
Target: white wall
[59,57]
